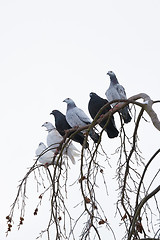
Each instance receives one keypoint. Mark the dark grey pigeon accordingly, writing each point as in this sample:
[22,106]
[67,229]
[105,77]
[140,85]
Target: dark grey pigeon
[117,91]
[94,105]
[62,125]
[77,118]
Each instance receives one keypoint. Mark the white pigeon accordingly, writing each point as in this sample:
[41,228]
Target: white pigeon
[44,156]
[77,118]
[117,91]
[54,139]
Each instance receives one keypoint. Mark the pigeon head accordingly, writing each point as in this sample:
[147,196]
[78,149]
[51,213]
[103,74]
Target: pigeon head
[49,126]
[112,77]
[42,145]
[110,73]
[92,95]
[54,112]
[70,102]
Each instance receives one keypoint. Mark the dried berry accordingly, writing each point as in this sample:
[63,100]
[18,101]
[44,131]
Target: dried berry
[139,227]
[124,217]
[59,218]
[94,206]
[82,178]
[101,222]
[35,211]
[87,200]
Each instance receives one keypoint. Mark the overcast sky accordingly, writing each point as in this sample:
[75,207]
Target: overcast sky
[50,50]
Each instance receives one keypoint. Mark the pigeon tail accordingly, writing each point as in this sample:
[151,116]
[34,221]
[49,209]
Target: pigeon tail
[110,129]
[125,114]
[78,137]
[94,135]
[112,132]
[72,147]
[72,152]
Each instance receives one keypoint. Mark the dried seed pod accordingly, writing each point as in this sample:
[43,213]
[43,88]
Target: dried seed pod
[82,178]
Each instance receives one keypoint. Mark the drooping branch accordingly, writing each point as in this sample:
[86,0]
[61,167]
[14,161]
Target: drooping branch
[143,174]
[139,207]
[147,105]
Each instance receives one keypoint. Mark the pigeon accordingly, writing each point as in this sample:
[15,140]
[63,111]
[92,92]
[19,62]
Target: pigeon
[77,118]
[44,155]
[62,125]
[54,139]
[117,91]
[94,105]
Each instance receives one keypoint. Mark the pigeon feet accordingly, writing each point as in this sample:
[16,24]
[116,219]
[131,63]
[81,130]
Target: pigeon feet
[56,152]
[66,131]
[75,127]
[46,165]
[115,107]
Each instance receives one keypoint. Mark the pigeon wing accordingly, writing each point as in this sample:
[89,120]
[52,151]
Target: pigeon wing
[82,116]
[121,91]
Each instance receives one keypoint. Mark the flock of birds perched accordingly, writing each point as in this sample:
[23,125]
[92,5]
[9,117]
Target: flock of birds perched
[75,117]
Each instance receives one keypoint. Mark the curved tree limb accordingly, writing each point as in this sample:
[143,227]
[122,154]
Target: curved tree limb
[138,209]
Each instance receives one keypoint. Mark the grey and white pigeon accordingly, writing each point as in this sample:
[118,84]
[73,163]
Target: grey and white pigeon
[77,118]
[44,155]
[117,91]
[54,139]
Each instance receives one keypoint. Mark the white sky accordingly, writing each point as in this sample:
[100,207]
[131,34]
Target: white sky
[50,50]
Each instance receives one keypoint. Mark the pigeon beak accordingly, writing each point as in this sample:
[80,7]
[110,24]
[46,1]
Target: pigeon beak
[51,113]
[42,125]
[64,100]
